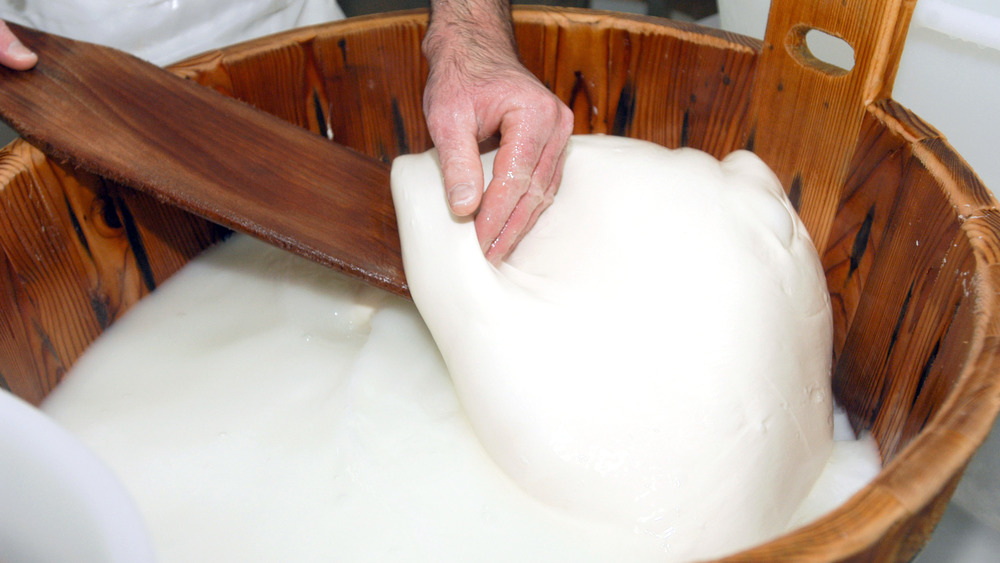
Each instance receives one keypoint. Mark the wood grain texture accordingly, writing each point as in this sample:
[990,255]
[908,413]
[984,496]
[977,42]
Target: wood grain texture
[21,371]
[361,86]
[805,115]
[659,80]
[645,78]
[78,251]
[115,115]
[912,237]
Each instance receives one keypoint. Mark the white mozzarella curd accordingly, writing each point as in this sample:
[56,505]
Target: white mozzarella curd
[655,355]
[262,408]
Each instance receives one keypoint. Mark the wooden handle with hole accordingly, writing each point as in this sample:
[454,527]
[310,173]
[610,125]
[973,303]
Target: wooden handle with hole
[805,115]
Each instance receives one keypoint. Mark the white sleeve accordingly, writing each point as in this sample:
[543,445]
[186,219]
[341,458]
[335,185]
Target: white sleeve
[164,31]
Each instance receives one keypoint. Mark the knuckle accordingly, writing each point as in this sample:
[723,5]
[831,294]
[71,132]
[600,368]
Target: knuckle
[535,195]
[549,195]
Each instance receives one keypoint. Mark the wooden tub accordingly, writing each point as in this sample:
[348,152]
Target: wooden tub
[908,234]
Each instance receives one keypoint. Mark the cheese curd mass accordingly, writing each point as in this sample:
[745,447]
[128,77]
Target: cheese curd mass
[655,355]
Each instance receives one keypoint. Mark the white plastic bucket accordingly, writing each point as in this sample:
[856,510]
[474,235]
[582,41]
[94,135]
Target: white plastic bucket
[58,501]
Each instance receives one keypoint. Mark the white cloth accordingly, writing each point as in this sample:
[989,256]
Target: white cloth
[165,31]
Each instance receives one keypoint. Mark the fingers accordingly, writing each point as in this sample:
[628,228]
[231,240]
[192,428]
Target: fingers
[13,53]
[521,220]
[550,195]
[462,171]
[512,183]
[469,98]
[526,176]
[454,128]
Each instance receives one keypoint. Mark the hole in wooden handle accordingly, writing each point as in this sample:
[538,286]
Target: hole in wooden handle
[820,50]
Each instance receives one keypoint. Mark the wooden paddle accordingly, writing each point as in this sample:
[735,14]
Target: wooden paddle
[127,120]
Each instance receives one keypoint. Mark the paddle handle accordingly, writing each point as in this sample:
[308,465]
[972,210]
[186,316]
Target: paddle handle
[127,120]
[805,114]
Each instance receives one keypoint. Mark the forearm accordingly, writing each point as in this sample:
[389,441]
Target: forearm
[476,33]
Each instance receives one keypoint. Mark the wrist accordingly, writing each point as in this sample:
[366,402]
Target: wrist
[470,32]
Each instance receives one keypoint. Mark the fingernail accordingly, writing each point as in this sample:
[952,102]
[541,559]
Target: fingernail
[17,50]
[461,194]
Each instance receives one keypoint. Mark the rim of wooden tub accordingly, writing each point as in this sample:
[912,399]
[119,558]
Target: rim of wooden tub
[891,518]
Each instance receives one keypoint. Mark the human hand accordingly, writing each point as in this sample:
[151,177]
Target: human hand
[477,87]
[13,54]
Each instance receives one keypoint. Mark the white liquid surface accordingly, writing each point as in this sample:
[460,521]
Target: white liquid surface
[261,408]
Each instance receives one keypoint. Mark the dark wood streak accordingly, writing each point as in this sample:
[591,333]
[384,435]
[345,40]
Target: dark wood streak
[77,227]
[925,372]
[624,110]
[342,45]
[51,356]
[904,310]
[686,128]
[99,304]
[399,127]
[580,99]
[748,143]
[135,243]
[795,192]
[320,115]
[860,245]
[109,211]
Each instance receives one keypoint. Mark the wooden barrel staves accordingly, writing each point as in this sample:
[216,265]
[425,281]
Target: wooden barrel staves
[909,236]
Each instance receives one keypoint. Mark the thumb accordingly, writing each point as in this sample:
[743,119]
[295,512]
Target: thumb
[13,53]
[462,170]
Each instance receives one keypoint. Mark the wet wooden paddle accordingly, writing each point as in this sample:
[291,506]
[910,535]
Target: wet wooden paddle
[115,115]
